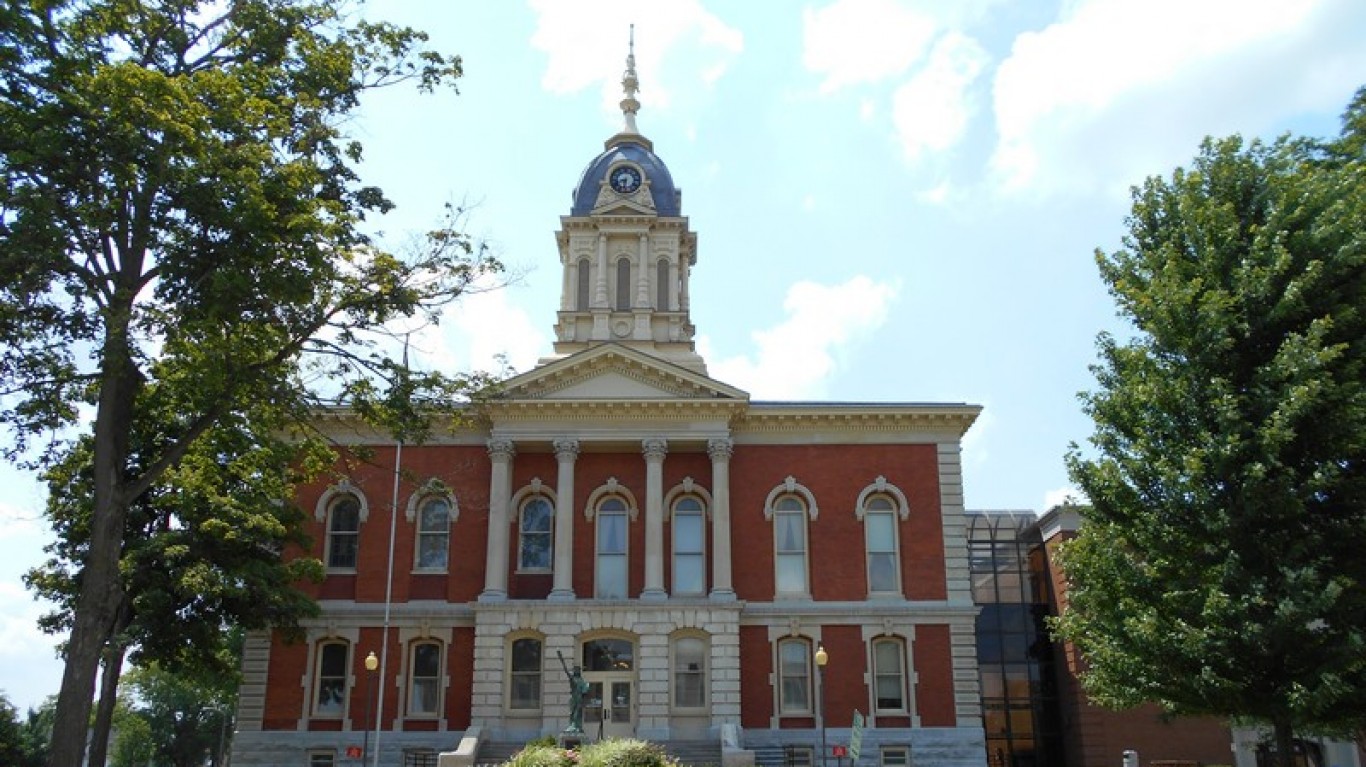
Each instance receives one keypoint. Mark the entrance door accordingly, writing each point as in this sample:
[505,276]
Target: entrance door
[610,708]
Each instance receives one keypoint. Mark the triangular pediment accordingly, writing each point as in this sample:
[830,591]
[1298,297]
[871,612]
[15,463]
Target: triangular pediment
[614,372]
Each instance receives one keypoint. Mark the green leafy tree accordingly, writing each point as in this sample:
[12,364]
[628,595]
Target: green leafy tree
[1219,567]
[182,238]
[23,741]
[188,715]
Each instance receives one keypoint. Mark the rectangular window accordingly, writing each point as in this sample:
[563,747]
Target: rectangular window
[610,581]
[690,668]
[433,534]
[790,531]
[623,285]
[343,533]
[896,756]
[689,536]
[535,544]
[321,759]
[880,531]
[525,684]
[331,685]
[662,286]
[794,670]
[889,683]
[425,685]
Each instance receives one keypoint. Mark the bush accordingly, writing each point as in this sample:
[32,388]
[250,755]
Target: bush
[544,752]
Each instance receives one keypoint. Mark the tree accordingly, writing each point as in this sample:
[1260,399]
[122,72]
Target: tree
[187,715]
[182,234]
[23,743]
[1218,569]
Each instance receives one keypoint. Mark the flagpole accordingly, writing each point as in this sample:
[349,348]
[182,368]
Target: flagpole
[389,576]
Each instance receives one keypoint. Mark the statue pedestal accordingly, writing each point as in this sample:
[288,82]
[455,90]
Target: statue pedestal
[572,740]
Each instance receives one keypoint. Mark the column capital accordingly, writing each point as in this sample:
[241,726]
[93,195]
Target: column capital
[720,449]
[566,449]
[501,449]
[654,449]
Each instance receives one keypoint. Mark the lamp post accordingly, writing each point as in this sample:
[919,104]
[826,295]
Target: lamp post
[371,663]
[822,657]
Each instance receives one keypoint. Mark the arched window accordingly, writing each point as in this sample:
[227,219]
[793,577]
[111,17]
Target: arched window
[433,533]
[424,679]
[690,672]
[789,543]
[889,676]
[343,532]
[610,575]
[624,285]
[689,546]
[794,677]
[662,286]
[329,685]
[880,534]
[524,682]
[581,286]
[537,526]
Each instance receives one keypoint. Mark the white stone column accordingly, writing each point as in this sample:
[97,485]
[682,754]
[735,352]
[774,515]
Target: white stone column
[643,279]
[654,449]
[501,452]
[720,451]
[566,453]
[600,284]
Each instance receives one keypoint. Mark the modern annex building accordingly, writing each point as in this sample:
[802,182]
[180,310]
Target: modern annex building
[618,509]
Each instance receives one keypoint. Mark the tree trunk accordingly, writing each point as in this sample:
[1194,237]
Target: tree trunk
[109,691]
[101,584]
[1285,740]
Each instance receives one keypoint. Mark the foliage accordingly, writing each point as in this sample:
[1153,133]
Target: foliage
[187,716]
[23,742]
[623,752]
[182,231]
[132,746]
[1219,568]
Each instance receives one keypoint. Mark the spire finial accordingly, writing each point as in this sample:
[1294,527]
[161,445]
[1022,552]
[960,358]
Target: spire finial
[630,84]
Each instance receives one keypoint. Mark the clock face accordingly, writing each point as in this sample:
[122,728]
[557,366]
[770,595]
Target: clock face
[625,180]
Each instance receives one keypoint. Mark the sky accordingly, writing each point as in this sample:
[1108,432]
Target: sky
[894,200]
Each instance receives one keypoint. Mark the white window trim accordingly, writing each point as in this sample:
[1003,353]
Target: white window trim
[770,512]
[508,710]
[343,487]
[630,515]
[518,502]
[791,486]
[434,488]
[409,677]
[904,656]
[313,677]
[686,487]
[881,486]
[810,709]
[706,673]
[904,631]
[611,487]
[333,500]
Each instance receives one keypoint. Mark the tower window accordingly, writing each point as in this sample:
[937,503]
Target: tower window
[624,285]
[662,286]
[582,275]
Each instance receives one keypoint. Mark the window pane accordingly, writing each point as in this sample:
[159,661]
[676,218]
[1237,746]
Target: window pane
[791,574]
[623,285]
[535,547]
[662,286]
[612,533]
[427,660]
[341,550]
[791,530]
[882,575]
[611,576]
[346,515]
[331,679]
[526,655]
[582,287]
[431,552]
[525,684]
[792,666]
[881,532]
[689,574]
[688,533]
[689,672]
[608,655]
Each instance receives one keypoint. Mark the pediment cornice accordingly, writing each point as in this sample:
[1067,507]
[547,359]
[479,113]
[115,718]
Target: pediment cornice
[672,381]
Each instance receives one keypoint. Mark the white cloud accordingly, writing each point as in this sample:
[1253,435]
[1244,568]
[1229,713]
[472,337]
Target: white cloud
[931,110]
[1117,89]
[863,41]
[794,359]
[477,331]
[586,42]
[1062,495]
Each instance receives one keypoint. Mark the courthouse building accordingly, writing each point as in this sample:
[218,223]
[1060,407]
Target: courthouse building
[617,508]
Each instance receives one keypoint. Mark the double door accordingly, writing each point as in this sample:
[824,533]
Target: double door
[609,709]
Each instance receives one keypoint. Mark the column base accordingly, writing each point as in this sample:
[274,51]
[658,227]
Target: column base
[493,596]
[654,595]
[722,595]
[561,595]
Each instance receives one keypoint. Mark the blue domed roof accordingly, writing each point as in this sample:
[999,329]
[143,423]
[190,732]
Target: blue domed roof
[633,149]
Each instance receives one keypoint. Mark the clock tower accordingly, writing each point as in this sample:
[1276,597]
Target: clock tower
[626,251]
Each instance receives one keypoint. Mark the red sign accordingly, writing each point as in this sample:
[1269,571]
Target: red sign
[839,751]
[353,752]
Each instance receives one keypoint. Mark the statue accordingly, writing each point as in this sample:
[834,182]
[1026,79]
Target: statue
[578,687]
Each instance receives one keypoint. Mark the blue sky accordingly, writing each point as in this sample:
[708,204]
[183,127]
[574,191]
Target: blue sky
[894,200]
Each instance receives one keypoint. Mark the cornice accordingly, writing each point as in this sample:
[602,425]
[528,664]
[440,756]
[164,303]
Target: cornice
[766,418]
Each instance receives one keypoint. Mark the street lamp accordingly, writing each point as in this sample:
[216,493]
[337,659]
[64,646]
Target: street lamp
[371,663]
[822,657]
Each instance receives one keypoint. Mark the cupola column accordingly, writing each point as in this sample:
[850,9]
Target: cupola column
[720,451]
[501,452]
[654,450]
[566,453]
[643,280]
[600,284]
